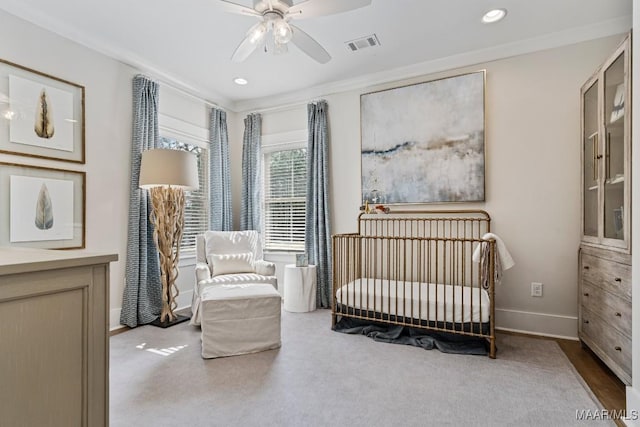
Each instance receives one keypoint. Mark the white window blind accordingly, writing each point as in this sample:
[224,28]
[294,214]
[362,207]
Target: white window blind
[285,181]
[196,204]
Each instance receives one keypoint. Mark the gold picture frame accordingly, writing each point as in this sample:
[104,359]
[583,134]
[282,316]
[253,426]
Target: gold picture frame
[42,207]
[40,115]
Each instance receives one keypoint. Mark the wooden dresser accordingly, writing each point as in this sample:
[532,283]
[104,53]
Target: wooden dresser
[605,307]
[54,342]
[604,315]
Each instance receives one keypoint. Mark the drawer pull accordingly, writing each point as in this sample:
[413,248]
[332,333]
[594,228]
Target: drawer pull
[618,348]
[586,294]
[618,314]
[617,279]
[586,321]
[586,267]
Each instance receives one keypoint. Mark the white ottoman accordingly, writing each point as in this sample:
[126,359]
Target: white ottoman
[240,319]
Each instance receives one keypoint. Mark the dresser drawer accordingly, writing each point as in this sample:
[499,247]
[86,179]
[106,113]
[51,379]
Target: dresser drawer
[613,310]
[609,341]
[609,275]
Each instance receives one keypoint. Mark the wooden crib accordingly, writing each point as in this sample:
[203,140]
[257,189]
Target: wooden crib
[417,269]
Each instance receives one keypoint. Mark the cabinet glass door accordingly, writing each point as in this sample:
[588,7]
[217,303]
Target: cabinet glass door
[613,149]
[590,153]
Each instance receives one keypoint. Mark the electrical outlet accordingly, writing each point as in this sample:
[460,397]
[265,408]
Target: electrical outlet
[536,289]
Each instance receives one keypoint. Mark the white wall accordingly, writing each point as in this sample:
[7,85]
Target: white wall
[532,173]
[108,115]
[108,130]
[533,147]
[532,159]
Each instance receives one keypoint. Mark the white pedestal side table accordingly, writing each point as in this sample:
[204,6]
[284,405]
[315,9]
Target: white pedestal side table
[299,288]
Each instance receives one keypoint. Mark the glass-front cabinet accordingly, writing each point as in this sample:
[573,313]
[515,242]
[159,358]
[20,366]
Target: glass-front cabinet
[606,153]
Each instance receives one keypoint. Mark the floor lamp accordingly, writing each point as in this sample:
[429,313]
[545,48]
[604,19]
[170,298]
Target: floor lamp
[166,174]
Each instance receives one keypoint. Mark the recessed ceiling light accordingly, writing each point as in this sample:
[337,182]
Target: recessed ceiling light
[494,16]
[240,81]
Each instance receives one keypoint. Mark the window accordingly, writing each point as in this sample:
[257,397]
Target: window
[285,189]
[196,203]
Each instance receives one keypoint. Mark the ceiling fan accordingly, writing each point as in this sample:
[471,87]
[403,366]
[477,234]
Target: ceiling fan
[274,18]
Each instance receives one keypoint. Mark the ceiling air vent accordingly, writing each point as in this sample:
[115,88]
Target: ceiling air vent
[363,43]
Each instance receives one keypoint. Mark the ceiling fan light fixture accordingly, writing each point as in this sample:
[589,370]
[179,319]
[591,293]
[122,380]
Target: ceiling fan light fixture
[282,32]
[494,15]
[274,16]
[256,34]
[280,48]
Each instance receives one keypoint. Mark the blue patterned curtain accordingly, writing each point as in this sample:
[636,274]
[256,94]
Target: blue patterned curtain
[142,299]
[219,174]
[250,209]
[318,220]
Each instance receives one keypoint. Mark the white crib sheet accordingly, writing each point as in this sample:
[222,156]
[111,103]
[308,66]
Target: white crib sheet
[457,304]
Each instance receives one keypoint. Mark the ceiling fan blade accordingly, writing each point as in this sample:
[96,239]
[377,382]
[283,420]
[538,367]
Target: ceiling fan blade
[247,45]
[311,8]
[309,46]
[244,49]
[239,9]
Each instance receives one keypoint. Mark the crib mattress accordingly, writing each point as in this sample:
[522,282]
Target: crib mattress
[424,301]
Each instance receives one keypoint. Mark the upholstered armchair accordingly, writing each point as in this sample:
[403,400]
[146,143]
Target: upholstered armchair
[230,259]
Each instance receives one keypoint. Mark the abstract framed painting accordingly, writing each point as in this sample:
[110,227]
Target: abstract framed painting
[424,143]
[40,115]
[41,207]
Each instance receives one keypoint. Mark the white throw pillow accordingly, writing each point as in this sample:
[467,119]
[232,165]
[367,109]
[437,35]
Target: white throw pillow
[231,263]
[230,242]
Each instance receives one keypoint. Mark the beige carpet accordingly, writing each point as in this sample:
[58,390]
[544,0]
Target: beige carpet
[324,378]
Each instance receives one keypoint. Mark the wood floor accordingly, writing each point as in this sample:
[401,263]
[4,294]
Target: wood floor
[603,383]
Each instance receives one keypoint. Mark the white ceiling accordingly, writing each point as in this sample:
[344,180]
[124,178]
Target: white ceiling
[190,42]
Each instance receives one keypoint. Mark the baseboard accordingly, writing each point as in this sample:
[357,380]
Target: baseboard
[633,407]
[184,302]
[542,324]
[114,319]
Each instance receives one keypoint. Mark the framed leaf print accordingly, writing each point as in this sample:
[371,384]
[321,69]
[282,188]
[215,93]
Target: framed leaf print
[40,115]
[41,207]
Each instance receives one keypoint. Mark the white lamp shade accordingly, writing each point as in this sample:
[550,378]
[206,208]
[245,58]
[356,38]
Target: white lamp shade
[163,168]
